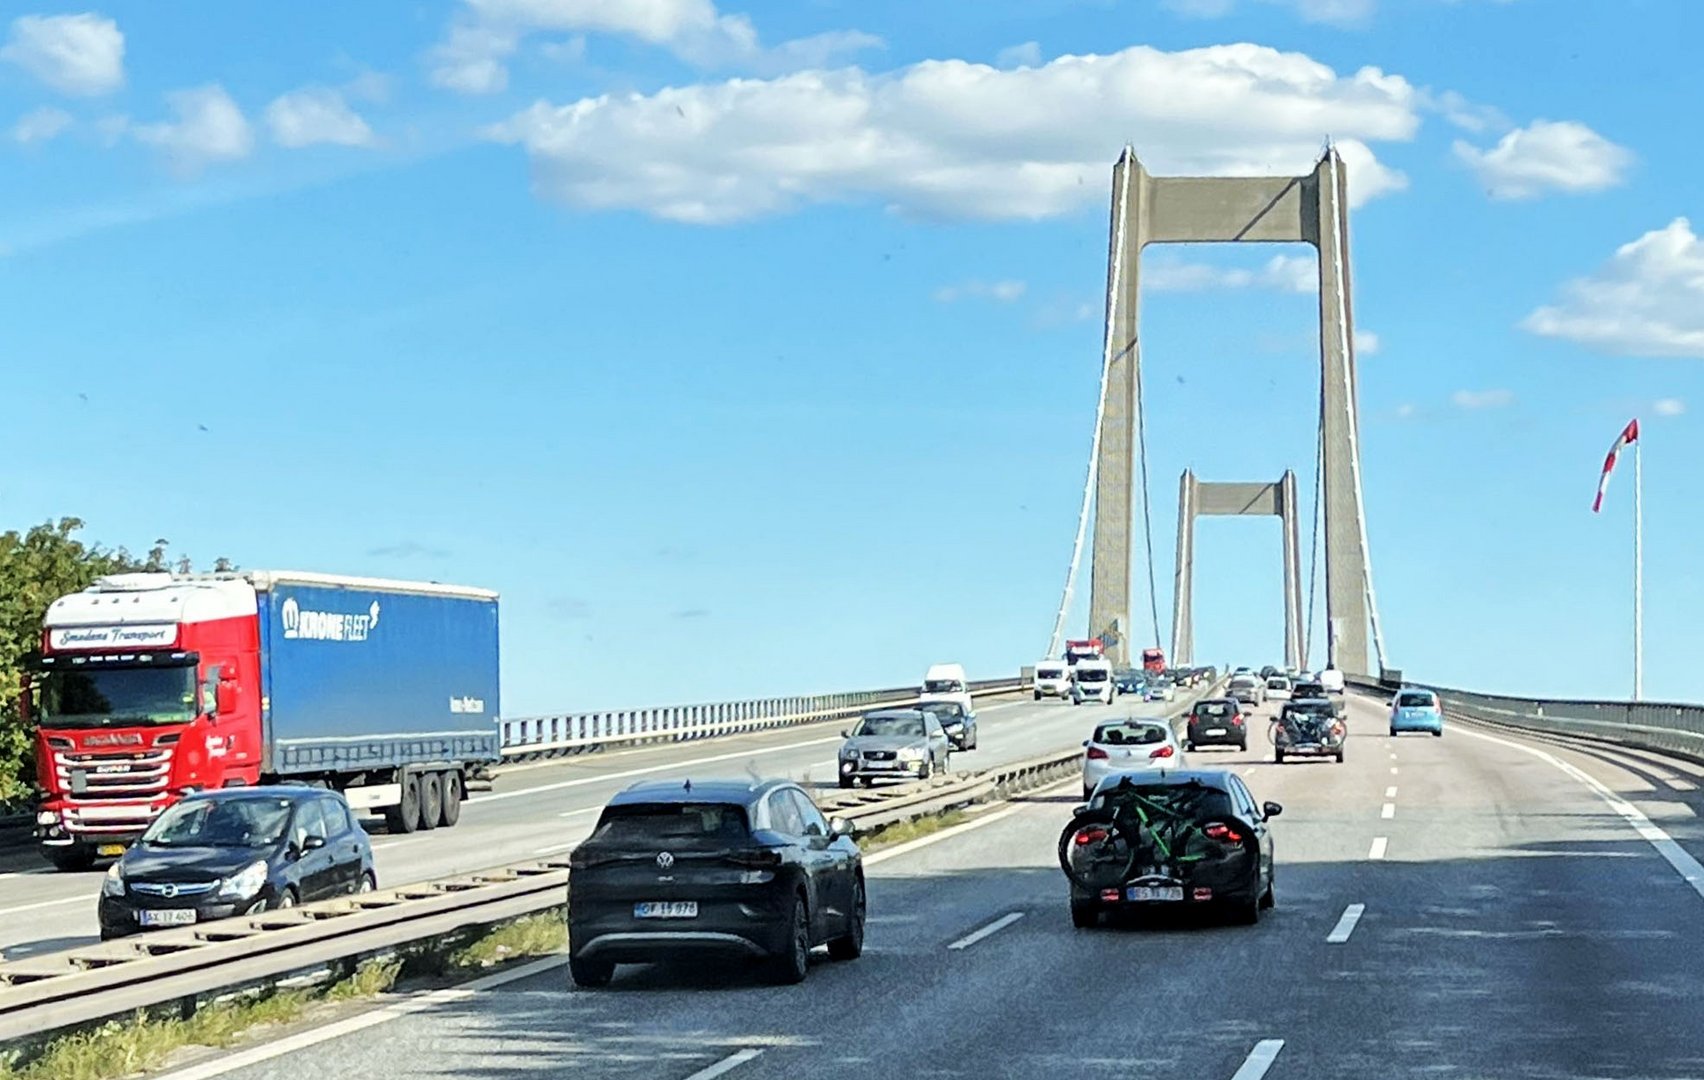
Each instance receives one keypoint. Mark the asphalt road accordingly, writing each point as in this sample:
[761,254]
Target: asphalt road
[544,809]
[1456,908]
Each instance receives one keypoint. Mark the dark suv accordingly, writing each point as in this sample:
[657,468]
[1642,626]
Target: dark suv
[686,869]
[1217,722]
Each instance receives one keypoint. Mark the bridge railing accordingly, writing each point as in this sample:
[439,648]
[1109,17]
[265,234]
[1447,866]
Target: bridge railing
[1668,728]
[527,737]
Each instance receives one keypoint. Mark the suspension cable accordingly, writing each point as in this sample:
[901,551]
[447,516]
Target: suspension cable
[1338,250]
[1313,544]
[1147,514]
[1114,280]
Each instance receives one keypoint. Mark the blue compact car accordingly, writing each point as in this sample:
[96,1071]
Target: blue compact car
[1416,710]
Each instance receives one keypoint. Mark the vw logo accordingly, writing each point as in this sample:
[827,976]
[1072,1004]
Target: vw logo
[168,890]
[664,860]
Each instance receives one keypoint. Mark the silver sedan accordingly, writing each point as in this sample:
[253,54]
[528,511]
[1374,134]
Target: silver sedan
[1121,746]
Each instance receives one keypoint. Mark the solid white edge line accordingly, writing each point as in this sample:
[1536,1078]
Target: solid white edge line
[946,834]
[1345,924]
[360,1022]
[992,928]
[682,767]
[727,1064]
[1387,811]
[1381,844]
[37,906]
[1259,1059]
[1689,869]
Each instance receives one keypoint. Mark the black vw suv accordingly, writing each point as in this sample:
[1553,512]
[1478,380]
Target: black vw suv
[695,870]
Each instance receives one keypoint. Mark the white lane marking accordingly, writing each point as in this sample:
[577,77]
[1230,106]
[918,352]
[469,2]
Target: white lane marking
[47,904]
[1259,1059]
[727,1064]
[551,849]
[1380,845]
[1390,792]
[1678,857]
[946,834]
[1388,811]
[1674,782]
[582,810]
[416,1003]
[1393,755]
[1393,770]
[992,928]
[682,767]
[42,870]
[1345,924]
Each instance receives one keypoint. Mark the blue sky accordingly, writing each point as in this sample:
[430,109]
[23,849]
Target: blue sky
[753,348]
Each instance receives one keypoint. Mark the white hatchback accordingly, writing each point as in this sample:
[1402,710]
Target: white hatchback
[1122,746]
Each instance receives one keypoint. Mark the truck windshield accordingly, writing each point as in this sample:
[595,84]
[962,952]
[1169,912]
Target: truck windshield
[98,697]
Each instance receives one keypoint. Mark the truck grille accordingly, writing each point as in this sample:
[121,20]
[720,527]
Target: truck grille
[113,775]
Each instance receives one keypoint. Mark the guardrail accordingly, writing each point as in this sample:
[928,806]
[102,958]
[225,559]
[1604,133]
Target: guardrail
[182,968]
[1663,727]
[529,737]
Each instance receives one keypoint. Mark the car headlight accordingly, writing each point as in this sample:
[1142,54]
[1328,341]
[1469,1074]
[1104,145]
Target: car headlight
[955,729]
[244,883]
[848,751]
[114,883]
[911,753]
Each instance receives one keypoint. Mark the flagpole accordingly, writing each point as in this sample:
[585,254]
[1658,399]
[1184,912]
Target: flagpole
[1638,571]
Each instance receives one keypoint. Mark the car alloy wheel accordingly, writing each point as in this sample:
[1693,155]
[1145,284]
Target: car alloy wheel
[850,945]
[791,966]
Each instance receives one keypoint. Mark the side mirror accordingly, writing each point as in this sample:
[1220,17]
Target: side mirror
[225,699]
[1085,742]
[845,734]
[1079,810]
[839,827]
[1271,809]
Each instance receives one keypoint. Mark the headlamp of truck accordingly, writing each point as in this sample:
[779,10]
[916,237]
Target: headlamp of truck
[47,817]
[114,883]
[244,883]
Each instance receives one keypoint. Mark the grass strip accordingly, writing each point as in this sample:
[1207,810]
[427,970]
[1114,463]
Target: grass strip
[902,831]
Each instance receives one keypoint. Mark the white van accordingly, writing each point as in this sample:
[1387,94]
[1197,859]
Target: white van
[1052,679]
[1332,680]
[1091,680]
[946,682]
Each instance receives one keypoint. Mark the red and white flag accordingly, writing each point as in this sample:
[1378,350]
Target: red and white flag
[1629,434]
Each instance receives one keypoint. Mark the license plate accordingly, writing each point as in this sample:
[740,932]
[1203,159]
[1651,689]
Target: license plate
[670,909]
[1215,731]
[166,917]
[881,764]
[110,849]
[1155,892]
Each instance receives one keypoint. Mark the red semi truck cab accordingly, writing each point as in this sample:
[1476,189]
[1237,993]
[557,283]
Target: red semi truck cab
[143,691]
[1084,649]
[1153,660]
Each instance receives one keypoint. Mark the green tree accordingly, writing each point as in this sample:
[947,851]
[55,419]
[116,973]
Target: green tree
[36,568]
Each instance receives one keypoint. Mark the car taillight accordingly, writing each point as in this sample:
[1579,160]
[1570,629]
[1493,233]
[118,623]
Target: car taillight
[1164,751]
[1237,720]
[756,857]
[1223,833]
[1092,835]
[1097,754]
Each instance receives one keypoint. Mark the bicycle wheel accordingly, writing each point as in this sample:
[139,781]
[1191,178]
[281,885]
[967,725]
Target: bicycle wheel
[1272,732]
[1095,852]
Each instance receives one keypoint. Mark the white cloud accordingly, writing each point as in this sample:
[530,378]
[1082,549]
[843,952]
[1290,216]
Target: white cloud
[959,139]
[1404,411]
[208,128]
[1347,13]
[1482,399]
[1005,292]
[1467,115]
[1026,55]
[316,114]
[1647,300]
[1546,156]
[1668,406]
[1285,273]
[1200,9]
[82,55]
[474,56]
[41,125]
[1366,343]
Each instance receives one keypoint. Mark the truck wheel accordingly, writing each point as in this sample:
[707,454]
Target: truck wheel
[405,816]
[452,799]
[70,860]
[431,799]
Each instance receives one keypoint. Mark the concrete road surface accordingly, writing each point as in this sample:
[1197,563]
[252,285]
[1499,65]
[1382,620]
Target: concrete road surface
[1463,907]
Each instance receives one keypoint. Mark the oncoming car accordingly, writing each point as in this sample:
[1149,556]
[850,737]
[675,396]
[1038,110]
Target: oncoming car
[1416,710]
[1091,680]
[1194,838]
[959,724]
[902,744]
[1160,688]
[1052,679]
[236,851]
[680,870]
[1124,745]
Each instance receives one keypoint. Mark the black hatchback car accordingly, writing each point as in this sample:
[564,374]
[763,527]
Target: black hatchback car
[237,851]
[682,870]
[1183,839]
[1217,722]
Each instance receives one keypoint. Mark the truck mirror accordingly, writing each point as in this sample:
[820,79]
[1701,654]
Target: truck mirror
[225,698]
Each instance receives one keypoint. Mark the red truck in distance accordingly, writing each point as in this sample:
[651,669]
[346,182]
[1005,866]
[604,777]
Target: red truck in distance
[1153,660]
[1085,649]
